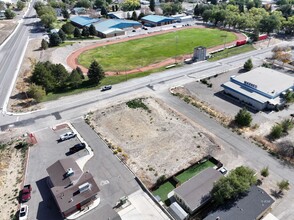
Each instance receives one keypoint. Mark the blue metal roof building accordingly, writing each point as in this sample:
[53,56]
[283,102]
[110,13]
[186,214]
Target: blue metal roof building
[81,21]
[114,27]
[157,20]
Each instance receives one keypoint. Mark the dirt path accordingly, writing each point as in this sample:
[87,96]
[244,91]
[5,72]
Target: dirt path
[72,60]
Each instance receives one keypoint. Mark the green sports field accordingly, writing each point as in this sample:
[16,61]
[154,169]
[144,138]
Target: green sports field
[142,52]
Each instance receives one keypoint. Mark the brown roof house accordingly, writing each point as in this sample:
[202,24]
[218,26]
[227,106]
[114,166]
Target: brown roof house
[72,189]
[195,193]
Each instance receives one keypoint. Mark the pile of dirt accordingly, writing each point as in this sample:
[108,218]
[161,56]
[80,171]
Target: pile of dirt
[154,141]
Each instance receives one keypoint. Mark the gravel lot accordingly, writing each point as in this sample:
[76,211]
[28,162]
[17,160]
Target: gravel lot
[154,143]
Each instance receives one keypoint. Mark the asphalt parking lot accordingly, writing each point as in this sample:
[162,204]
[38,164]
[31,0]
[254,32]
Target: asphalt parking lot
[112,177]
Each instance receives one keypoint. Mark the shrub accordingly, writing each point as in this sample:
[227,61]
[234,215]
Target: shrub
[137,103]
[248,65]
[264,172]
[243,118]
[276,131]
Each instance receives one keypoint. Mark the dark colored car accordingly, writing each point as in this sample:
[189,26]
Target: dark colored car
[26,193]
[105,88]
[77,147]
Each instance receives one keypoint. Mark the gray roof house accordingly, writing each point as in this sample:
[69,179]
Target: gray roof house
[252,206]
[72,189]
[194,193]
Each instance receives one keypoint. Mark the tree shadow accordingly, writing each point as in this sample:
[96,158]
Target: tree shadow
[276,194]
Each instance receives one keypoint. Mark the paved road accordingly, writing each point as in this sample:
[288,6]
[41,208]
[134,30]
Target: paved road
[74,106]
[11,55]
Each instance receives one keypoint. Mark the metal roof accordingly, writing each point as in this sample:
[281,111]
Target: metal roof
[104,25]
[83,20]
[177,211]
[251,206]
[265,81]
[196,191]
[157,18]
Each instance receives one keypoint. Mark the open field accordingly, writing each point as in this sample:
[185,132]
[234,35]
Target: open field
[143,52]
[153,142]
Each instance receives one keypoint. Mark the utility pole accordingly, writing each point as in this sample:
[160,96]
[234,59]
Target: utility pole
[176,48]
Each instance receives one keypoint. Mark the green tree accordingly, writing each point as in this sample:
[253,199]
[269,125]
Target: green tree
[276,131]
[74,79]
[269,24]
[248,65]
[130,5]
[44,44]
[238,181]
[287,125]
[283,185]
[48,20]
[54,40]
[141,15]
[20,5]
[83,3]
[77,33]
[9,14]
[85,32]
[60,75]
[42,76]
[289,97]
[92,30]
[68,28]
[134,16]
[99,3]
[152,5]
[103,11]
[243,118]
[62,35]
[36,92]
[264,172]
[95,73]
[79,70]
[65,14]
[207,14]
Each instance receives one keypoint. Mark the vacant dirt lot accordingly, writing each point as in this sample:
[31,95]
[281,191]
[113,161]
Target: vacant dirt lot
[6,28]
[154,142]
[11,173]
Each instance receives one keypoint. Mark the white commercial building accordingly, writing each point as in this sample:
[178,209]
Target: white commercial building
[260,89]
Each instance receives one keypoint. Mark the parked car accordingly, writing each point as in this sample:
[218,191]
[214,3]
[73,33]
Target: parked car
[26,193]
[77,147]
[105,88]
[67,135]
[223,170]
[23,212]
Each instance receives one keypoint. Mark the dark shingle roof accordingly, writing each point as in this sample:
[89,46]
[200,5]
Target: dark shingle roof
[248,207]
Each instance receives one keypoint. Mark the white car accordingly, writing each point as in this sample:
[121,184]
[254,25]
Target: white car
[67,135]
[223,170]
[23,212]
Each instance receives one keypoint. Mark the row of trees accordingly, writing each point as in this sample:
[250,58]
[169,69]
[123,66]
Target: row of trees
[252,19]
[48,77]
[8,12]
[46,13]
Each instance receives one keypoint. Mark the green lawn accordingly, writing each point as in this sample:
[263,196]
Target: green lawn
[163,190]
[231,52]
[142,52]
[193,171]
